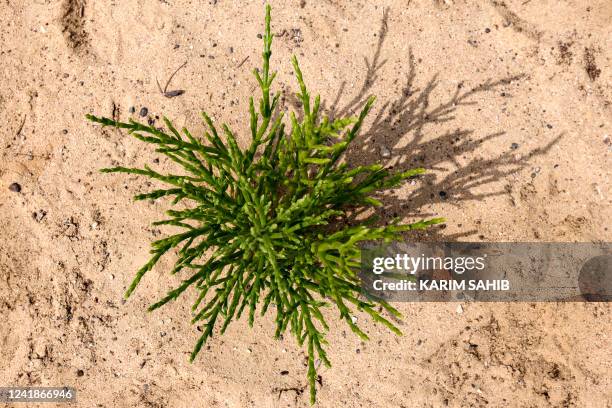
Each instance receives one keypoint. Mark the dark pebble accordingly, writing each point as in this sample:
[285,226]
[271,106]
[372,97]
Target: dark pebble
[259,36]
[15,187]
[156,160]
[144,111]
[284,372]
[80,373]
[514,146]
[442,194]
[65,131]
[132,109]
[487,30]
[549,126]
[151,121]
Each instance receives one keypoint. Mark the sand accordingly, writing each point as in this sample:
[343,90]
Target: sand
[507,104]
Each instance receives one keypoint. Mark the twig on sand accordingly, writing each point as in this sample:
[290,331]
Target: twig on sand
[165,91]
[243,61]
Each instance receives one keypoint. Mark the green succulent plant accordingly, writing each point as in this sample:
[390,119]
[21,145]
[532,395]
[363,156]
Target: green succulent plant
[263,225]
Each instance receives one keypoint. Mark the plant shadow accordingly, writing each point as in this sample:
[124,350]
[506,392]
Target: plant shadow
[397,139]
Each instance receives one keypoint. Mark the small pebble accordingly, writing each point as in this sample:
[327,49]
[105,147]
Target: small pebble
[514,146]
[284,372]
[259,36]
[487,30]
[354,319]
[443,194]
[15,187]
[132,109]
[384,152]
[80,373]
[549,126]
[459,309]
[144,111]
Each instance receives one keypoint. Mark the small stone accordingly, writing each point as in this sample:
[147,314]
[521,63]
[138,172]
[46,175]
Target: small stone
[80,373]
[65,131]
[259,36]
[549,126]
[151,121]
[514,146]
[15,187]
[459,309]
[487,30]
[284,372]
[111,276]
[94,225]
[384,152]
[144,111]
[443,194]
[132,109]
[354,319]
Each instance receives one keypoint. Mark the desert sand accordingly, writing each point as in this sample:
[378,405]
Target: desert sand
[508,104]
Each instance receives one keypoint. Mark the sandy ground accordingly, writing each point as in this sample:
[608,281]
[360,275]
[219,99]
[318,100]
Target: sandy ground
[509,104]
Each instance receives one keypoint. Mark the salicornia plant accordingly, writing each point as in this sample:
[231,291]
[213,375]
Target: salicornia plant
[263,225]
